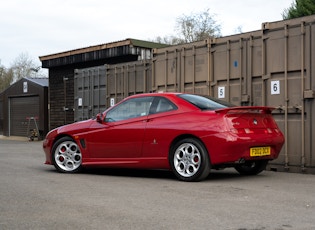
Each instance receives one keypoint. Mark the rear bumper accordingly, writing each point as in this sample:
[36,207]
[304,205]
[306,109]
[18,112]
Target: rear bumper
[226,147]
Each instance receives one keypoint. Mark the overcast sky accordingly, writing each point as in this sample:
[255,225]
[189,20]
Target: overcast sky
[42,27]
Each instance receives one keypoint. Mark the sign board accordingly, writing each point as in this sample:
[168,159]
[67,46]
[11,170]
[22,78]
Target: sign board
[221,92]
[275,87]
[25,87]
[80,102]
[112,101]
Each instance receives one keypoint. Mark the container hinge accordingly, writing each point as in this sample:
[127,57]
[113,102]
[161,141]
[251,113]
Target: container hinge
[245,98]
[309,94]
[297,107]
[266,77]
[265,26]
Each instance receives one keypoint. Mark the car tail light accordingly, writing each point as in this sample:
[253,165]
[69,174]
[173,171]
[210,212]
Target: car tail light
[254,131]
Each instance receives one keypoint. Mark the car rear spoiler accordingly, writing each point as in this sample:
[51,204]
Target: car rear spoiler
[246,109]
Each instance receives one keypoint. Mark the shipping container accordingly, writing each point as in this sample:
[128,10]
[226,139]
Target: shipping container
[98,88]
[274,66]
[127,79]
[1,113]
[89,92]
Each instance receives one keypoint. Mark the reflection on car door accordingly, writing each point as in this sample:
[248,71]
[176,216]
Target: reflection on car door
[122,139]
[159,131]
[123,130]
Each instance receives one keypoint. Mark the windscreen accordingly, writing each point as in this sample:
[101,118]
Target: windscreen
[205,102]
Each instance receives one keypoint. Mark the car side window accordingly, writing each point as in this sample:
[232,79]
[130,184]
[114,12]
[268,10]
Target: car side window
[163,105]
[135,107]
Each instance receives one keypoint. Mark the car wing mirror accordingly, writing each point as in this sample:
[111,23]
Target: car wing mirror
[99,118]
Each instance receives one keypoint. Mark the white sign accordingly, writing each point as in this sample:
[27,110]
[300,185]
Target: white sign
[275,87]
[25,87]
[221,92]
[80,102]
[112,101]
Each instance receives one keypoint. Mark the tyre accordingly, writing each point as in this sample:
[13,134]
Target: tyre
[189,160]
[66,156]
[251,167]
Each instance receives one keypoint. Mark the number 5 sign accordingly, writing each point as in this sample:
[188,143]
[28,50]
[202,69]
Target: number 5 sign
[221,92]
[275,87]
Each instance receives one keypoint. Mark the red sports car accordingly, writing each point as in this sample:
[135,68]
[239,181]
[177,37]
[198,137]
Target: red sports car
[188,134]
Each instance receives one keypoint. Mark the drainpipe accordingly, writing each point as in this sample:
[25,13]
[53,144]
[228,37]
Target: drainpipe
[302,96]
[286,155]
[65,108]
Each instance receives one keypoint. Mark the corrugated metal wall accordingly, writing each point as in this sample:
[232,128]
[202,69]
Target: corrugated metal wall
[128,79]
[271,67]
[89,92]
[98,88]
[1,113]
[274,66]
[22,109]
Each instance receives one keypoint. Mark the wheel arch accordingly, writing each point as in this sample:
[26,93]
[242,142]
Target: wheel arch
[57,139]
[184,136]
[61,136]
[71,155]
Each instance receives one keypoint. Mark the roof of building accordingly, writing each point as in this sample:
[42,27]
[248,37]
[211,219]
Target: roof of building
[39,81]
[126,42]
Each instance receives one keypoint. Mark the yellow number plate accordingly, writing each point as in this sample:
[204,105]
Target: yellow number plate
[260,151]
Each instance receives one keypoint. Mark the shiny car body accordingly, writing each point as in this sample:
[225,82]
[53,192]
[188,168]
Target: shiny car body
[188,134]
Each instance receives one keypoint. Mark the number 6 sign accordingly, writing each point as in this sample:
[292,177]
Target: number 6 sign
[275,87]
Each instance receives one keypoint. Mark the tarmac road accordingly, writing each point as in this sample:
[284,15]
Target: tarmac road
[35,196]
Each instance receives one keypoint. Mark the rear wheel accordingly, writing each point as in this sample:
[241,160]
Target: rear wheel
[66,155]
[252,167]
[189,160]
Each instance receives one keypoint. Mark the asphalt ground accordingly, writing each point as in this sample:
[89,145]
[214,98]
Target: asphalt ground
[35,196]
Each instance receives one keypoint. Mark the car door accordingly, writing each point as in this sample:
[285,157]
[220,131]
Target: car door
[122,131]
[160,128]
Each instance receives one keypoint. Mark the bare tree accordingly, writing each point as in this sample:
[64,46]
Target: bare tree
[6,77]
[191,28]
[23,66]
[197,27]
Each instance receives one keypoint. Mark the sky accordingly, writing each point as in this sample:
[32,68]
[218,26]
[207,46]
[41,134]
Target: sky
[38,28]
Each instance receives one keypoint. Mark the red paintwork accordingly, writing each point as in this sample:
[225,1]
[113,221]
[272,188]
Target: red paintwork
[144,142]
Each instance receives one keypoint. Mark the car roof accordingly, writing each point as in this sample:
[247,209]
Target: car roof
[155,94]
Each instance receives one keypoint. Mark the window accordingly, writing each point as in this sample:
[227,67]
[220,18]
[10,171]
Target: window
[164,105]
[135,107]
[204,102]
[161,104]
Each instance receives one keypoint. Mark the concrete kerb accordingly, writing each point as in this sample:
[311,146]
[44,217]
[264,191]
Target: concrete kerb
[14,138]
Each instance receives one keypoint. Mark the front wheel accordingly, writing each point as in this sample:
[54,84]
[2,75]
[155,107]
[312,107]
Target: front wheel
[66,155]
[189,160]
[252,167]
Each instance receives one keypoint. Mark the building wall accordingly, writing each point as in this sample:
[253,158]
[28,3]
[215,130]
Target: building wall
[15,122]
[61,96]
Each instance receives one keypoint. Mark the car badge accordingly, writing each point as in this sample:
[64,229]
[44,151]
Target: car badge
[255,122]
